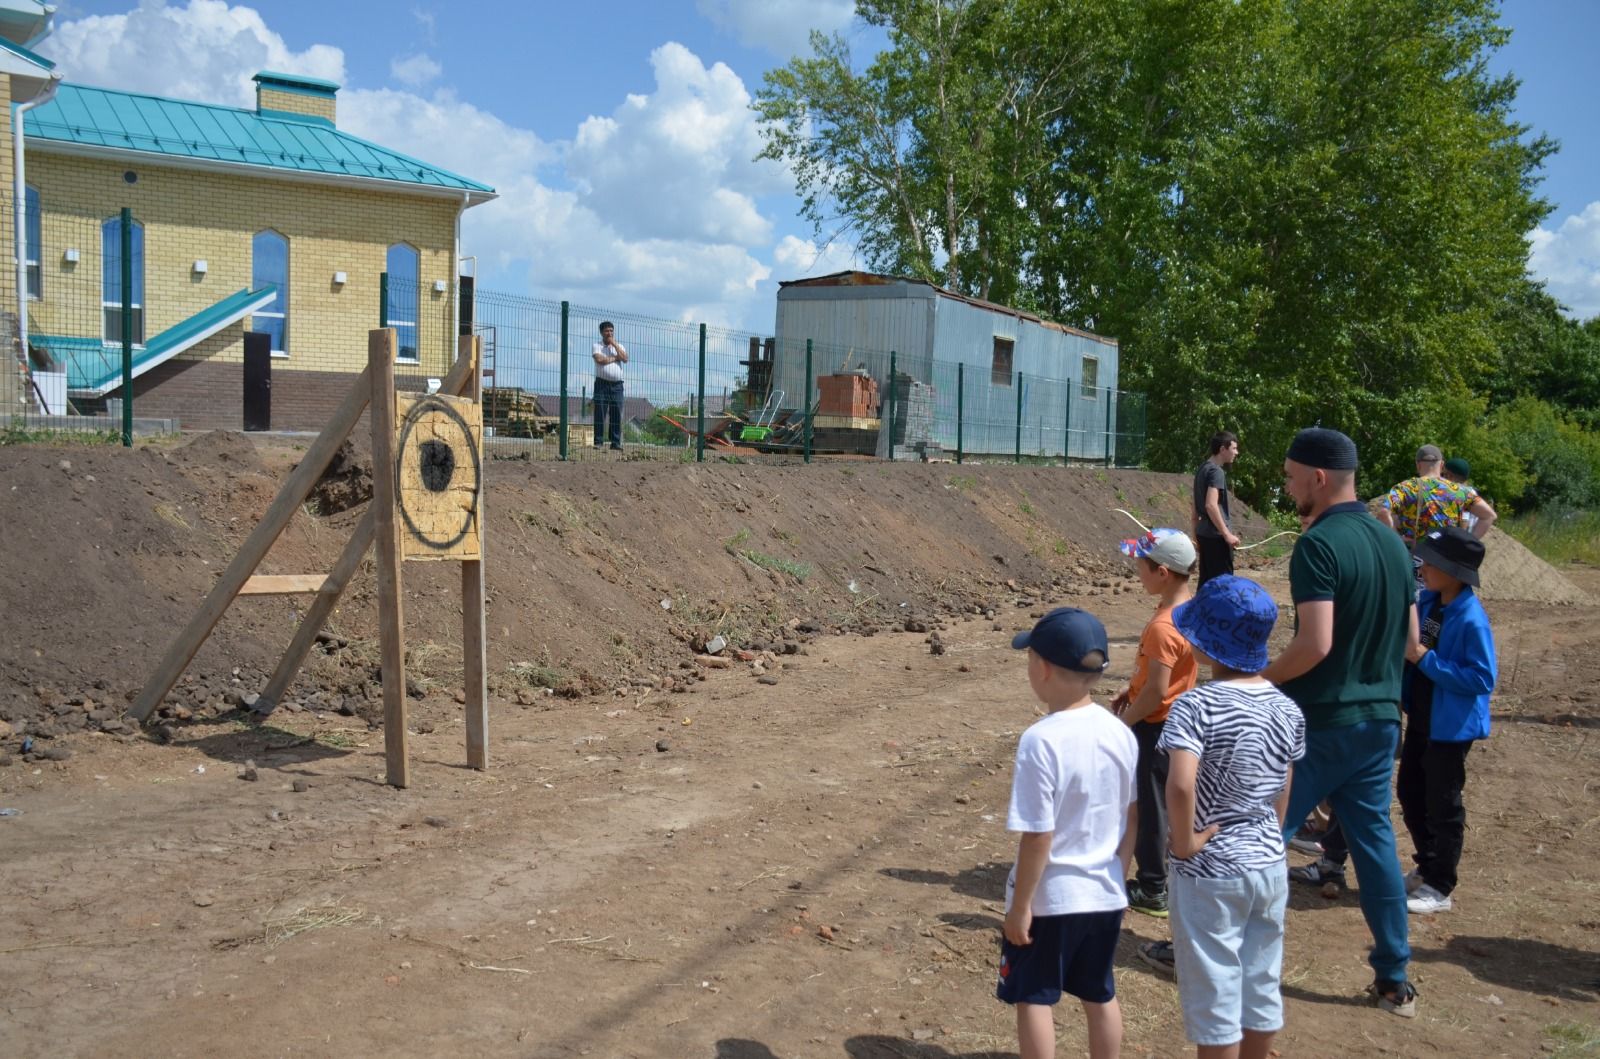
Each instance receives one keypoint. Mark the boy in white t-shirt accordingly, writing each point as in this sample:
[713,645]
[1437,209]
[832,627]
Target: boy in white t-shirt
[1073,799]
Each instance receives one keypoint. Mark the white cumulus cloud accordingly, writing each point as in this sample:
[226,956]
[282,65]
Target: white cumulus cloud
[1568,260]
[783,27]
[414,70]
[678,163]
[796,258]
[207,51]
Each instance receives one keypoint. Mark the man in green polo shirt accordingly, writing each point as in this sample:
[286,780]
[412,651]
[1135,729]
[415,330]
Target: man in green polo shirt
[1350,578]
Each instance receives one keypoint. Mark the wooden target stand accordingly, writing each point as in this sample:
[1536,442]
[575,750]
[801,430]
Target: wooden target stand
[427,504]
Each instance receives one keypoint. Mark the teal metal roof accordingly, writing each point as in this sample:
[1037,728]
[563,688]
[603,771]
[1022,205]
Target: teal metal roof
[295,82]
[36,59]
[95,366]
[186,131]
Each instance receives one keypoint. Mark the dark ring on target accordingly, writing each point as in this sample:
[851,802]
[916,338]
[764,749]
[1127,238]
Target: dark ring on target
[430,403]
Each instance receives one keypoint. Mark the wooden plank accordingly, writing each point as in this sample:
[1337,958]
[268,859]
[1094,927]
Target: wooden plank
[282,584]
[254,549]
[386,535]
[474,635]
[338,580]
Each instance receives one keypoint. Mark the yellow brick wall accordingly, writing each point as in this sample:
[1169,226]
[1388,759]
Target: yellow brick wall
[268,98]
[190,215]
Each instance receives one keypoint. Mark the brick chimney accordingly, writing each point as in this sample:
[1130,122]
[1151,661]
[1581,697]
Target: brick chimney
[295,94]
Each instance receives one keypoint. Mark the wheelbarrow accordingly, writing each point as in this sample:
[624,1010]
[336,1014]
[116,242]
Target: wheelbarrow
[760,426]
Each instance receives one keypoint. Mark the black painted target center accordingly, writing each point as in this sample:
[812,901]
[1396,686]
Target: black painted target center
[438,465]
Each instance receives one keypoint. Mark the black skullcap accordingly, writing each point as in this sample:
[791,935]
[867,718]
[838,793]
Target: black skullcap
[1324,448]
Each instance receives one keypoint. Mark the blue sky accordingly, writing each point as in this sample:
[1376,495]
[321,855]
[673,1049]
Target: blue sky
[619,134]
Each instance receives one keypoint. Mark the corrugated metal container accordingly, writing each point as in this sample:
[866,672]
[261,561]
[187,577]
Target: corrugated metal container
[856,318]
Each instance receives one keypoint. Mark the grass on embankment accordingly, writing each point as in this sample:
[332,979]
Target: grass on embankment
[1558,537]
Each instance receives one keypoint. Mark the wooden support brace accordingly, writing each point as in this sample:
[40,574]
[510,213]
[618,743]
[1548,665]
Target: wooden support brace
[282,584]
[254,549]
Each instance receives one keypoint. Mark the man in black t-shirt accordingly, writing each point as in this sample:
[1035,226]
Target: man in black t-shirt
[1212,532]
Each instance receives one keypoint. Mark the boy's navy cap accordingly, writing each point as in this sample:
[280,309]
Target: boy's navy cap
[1457,465]
[1229,620]
[1453,550]
[1065,637]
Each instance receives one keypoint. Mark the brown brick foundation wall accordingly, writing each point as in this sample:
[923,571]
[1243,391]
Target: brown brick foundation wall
[208,395]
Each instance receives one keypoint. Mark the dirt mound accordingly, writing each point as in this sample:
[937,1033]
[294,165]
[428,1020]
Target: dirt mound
[601,575]
[1512,572]
[347,481]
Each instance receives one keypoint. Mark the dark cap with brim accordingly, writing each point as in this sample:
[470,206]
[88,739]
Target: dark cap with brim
[1323,448]
[1453,550]
[1066,637]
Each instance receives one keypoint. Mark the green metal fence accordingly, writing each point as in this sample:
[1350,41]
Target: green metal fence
[706,390]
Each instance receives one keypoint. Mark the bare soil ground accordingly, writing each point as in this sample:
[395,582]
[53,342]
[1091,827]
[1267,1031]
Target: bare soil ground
[657,864]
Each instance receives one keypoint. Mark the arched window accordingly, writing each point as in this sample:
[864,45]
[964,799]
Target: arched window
[269,265]
[111,279]
[31,212]
[405,297]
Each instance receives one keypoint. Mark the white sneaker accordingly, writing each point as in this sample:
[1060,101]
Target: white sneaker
[1426,901]
[1413,880]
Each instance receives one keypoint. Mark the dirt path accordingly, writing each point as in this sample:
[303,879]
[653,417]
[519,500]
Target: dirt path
[813,868]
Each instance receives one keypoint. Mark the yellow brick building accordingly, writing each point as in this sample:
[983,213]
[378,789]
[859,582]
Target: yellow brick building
[268,219]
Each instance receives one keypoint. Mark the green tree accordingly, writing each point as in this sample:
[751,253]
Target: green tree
[1288,211]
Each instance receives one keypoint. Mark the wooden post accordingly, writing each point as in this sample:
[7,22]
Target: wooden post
[391,628]
[473,634]
[256,546]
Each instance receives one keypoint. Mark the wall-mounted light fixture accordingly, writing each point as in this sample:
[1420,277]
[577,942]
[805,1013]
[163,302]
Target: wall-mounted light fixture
[339,279]
[70,257]
[200,267]
[440,286]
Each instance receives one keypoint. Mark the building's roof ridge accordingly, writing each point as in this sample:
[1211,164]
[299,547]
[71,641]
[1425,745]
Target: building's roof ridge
[280,143]
[34,57]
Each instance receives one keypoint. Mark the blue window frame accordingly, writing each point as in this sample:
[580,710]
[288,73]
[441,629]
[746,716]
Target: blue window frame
[111,279]
[31,210]
[405,297]
[269,264]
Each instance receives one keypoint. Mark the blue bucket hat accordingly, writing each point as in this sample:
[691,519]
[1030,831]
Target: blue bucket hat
[1066,637]
[1229,620]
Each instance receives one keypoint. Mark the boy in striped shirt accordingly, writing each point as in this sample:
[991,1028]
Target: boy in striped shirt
[1231,745]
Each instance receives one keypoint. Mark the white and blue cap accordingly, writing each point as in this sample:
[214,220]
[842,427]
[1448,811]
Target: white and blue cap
[1066,637]
[1164,547]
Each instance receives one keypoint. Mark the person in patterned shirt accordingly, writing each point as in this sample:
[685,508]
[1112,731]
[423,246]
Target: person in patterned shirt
[1431,501]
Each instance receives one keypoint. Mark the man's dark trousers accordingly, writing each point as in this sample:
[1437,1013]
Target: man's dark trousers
[607,402]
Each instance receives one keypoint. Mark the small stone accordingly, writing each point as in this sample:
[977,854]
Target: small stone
[437,821]
[301,786]
[204,900]
[963,799]
[461,697]
[756,785]
[249,773]
[825,933]
[65,465]
[998,627]
[769,680]
[55,753]
[662,746]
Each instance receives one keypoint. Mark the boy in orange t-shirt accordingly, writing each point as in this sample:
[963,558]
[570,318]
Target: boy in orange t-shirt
[1164,669]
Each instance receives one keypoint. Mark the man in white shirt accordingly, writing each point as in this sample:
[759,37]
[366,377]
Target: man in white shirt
[609,357]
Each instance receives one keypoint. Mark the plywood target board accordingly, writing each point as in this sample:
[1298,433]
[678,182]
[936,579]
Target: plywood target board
[439,474]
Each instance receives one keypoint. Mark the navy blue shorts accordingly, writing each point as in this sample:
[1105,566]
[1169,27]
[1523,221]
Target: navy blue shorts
[1070,954]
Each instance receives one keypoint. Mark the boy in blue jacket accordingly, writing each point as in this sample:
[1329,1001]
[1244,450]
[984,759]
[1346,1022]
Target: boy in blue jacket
[1446,699]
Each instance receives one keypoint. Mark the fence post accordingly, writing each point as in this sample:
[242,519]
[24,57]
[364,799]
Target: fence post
[565,309]
[807,412]
[127,327]
[1019,418]
[700,403]
[1066,432]
[891,405]
[961,398]
[1110,450]
[383,299]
